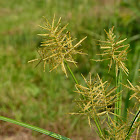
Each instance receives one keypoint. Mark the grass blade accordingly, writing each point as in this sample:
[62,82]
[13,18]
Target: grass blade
[43,131]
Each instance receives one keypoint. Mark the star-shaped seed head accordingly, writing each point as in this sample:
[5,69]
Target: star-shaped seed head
[57,47]
[115,51]
[97,98]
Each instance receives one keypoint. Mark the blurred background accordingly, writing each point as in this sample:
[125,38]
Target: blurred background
[28,94]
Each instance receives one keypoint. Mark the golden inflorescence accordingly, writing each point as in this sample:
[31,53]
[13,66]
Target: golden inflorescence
[58,47]
[112,50]
[98,100]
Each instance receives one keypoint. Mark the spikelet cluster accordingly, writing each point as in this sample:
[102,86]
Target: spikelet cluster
[116,131]
[57,47]
[115,51]
[135,89]
[98,100]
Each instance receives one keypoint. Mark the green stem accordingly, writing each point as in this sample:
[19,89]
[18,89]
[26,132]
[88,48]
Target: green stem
[118,104]
[98,126]
[43,131]
[127,102]
[120,95]
[72,74]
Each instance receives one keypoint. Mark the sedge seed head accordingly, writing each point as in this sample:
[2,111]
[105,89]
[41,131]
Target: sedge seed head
[57,46]
[97,98]
[115,51]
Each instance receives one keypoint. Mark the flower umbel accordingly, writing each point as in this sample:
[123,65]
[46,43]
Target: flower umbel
[113,51]
[58,46]
[98,99]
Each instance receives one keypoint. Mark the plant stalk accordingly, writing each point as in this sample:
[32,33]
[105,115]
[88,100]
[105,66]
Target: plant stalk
[118,104]
[72,74]
[96,120]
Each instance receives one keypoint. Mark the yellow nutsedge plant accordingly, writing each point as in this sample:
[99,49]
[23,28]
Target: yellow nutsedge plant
[57,47]
[96,99]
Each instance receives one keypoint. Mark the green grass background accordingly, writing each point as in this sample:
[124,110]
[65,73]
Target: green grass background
[28,94]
